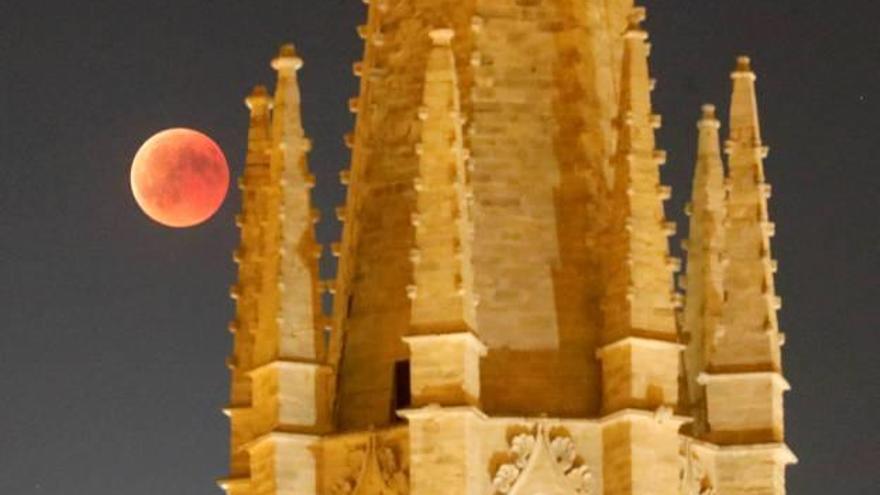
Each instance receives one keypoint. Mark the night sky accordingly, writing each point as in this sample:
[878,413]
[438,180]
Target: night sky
[113,329]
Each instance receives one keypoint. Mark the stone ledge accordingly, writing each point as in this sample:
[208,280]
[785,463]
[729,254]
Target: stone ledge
[705,378]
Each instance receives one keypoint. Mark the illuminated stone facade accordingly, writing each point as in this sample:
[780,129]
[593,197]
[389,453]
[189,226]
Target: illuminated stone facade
[505,319]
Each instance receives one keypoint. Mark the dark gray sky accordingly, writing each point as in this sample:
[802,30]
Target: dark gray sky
[113,329]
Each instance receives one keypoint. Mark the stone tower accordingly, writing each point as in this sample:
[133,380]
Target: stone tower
[504,318]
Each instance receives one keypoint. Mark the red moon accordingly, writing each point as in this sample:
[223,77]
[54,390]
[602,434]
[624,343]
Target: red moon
[179,177]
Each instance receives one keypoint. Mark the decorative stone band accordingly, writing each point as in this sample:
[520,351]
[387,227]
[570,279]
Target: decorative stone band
[468,337]
[639,373]
[443,447]
[709,469]
[291,457]
[775,377]
[291,365]
[278,437]
[640,341]
[779,451]
[432,410]
[298,390]
[744,408]
[662,415]
[640,451]
[445,368]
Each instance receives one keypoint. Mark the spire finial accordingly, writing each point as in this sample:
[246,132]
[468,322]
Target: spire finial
[743,68]
[744,122]
[708,117]
[708,111]
[257,96]
[287,58]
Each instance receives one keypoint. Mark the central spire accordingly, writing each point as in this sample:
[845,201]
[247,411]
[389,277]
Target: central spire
[299,319]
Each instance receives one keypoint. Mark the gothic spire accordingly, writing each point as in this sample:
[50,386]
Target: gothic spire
[444,349]
[299,317]
[443,290]
[639,300]
[250,253]
[247,292]
[705,244]
[749,337]
[743,380]
[287,380]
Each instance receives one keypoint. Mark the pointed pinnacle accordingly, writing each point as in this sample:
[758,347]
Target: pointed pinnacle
[744,121]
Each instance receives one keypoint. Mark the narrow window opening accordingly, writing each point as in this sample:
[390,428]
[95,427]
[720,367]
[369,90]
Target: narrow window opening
[402,396]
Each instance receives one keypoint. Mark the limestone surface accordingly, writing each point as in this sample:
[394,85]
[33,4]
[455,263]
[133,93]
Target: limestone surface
[505,315]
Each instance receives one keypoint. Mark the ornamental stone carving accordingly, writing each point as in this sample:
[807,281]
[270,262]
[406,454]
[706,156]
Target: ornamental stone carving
[542,458]
[374,469]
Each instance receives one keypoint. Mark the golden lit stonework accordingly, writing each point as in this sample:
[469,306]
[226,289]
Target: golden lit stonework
[505,318]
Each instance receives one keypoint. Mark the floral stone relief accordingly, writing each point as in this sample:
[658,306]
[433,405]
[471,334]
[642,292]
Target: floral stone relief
[542,460]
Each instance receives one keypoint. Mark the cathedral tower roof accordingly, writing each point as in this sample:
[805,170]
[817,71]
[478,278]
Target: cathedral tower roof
[504,312]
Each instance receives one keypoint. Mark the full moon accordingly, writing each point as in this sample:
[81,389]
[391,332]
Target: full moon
[179,177]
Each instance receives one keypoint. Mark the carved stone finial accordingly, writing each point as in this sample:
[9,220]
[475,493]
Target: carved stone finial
[257,96]
[708,111]
[744,68]
[708,119]
[287,58]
